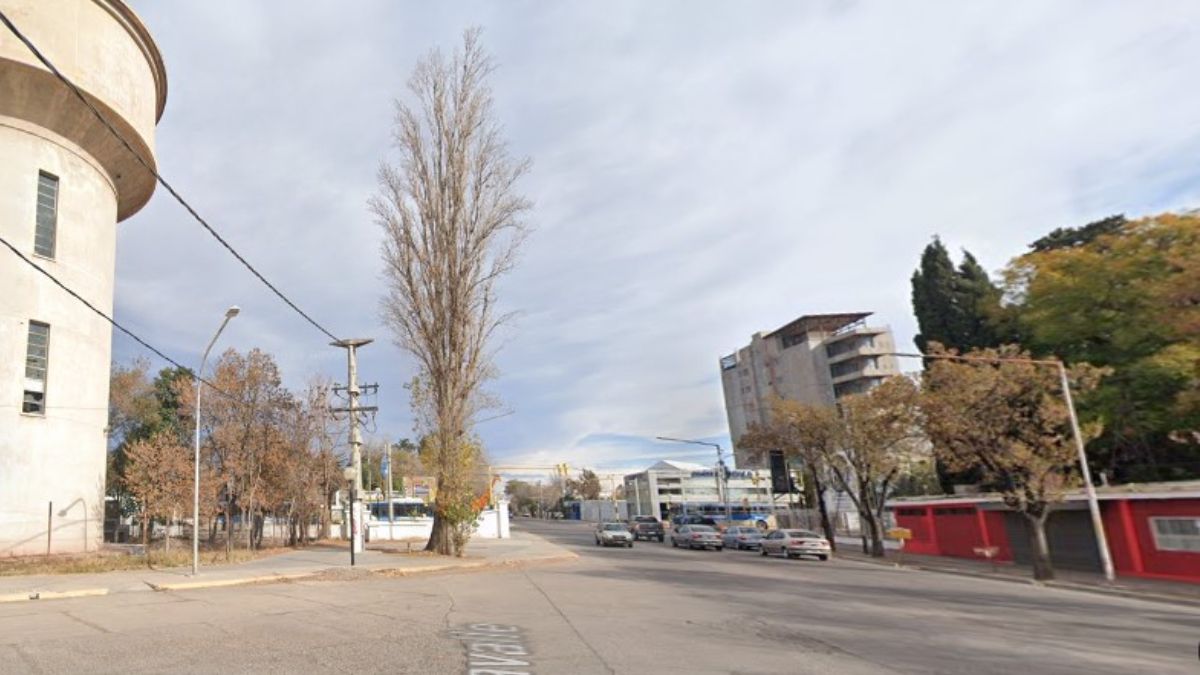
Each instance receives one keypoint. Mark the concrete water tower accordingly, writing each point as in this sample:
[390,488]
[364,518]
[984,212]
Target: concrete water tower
[65,183]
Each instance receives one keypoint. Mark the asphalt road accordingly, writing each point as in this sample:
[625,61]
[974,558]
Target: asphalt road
[649,609]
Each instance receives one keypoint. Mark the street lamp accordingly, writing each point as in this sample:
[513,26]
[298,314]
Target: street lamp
[229,314]
[1089,489]
[720,470]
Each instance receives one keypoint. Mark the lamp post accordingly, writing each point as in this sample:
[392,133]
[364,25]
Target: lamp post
[1089,489]
[229,314]
[720,473]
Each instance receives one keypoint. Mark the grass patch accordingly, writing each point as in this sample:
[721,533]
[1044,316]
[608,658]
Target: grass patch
[116,561]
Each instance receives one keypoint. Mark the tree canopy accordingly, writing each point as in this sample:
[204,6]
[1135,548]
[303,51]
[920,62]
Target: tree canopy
[1124,296]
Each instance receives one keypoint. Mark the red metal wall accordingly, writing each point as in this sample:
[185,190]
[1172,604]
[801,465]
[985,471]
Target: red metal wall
[1181,565]
[957,529]
[953,530]
[916,519]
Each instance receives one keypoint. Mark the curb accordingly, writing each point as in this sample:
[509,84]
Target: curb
[26,596]
[218,583]
[53,595]
[1060,585]
[385,571]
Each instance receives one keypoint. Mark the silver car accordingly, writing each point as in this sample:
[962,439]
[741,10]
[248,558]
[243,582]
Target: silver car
[696,536]
[742,537]
[795,543]
[614,534]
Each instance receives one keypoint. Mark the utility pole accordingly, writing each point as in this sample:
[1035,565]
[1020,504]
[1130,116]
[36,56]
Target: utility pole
[387,470]
[352,409]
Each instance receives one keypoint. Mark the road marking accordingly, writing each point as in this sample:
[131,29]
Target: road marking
[494,649]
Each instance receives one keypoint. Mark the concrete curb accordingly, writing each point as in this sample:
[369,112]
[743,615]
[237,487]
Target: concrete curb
[218,583]
[1061,585]
[473,565]
[385,571]
[53,595]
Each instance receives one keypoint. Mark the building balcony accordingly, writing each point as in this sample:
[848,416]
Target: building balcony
[867,372]
[856,353]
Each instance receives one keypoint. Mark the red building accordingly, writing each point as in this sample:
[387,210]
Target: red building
[1153,529]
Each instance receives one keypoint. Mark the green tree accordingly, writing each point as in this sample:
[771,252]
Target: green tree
[140,409]
[955,307]
[1069,237]
[586,487]
[959,308]
[1124,297]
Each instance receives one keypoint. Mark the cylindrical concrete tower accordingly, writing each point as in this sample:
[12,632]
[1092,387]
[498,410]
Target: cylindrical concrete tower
[65,182]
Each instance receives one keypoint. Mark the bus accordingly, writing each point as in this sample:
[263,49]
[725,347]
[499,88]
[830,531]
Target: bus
[742,514]
[403,508]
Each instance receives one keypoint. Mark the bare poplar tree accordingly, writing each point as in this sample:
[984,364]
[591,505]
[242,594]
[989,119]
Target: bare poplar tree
[452,222]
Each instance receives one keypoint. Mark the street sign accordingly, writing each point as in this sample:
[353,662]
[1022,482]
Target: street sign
[900,533]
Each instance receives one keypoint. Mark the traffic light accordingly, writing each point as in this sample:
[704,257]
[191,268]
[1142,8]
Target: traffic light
[781,483]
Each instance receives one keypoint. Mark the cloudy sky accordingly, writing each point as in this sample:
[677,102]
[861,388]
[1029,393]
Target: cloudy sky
[702,171]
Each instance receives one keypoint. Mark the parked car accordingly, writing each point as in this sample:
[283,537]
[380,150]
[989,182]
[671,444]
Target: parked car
[613,534]
[646,527]
[742,537]
[696,536]
[795,543]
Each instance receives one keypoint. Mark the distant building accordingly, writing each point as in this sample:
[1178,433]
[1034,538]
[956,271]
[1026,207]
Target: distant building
[669,488]
[65,183]
[815,359]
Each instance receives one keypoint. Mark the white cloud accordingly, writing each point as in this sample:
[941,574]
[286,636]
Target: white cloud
[702,171]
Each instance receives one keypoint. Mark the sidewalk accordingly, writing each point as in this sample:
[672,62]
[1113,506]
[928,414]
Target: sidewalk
[303,563]
[1133,587]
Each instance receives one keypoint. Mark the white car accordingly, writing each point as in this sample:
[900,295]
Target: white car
[613,534]
[795,543]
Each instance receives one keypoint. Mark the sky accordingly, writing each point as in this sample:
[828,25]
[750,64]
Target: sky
[701,171]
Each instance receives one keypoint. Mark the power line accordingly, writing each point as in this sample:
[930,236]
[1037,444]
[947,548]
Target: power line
[158,177]
[108,318]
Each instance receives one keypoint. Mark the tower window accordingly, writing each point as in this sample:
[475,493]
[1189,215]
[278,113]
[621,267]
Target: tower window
[47,215]
[37,358]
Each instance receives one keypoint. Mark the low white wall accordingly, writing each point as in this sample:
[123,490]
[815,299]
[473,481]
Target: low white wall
[492,524]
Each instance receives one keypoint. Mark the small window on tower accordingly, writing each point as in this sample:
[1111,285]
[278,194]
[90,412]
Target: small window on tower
[45,230]
[37,358]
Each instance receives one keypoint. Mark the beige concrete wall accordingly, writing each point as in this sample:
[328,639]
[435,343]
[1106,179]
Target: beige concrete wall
[103,48]
[59,457]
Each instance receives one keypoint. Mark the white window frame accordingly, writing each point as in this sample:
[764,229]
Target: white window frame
[33,384]
[53,216]
[1162,541]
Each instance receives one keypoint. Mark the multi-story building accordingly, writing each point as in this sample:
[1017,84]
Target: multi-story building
[815,359]
[65,182]
[669,487]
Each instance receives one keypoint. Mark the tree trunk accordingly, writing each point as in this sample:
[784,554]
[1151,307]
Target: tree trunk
[441,540]
[146,534]
[228,530]
[1039,549]
[876,536]
[826,524]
